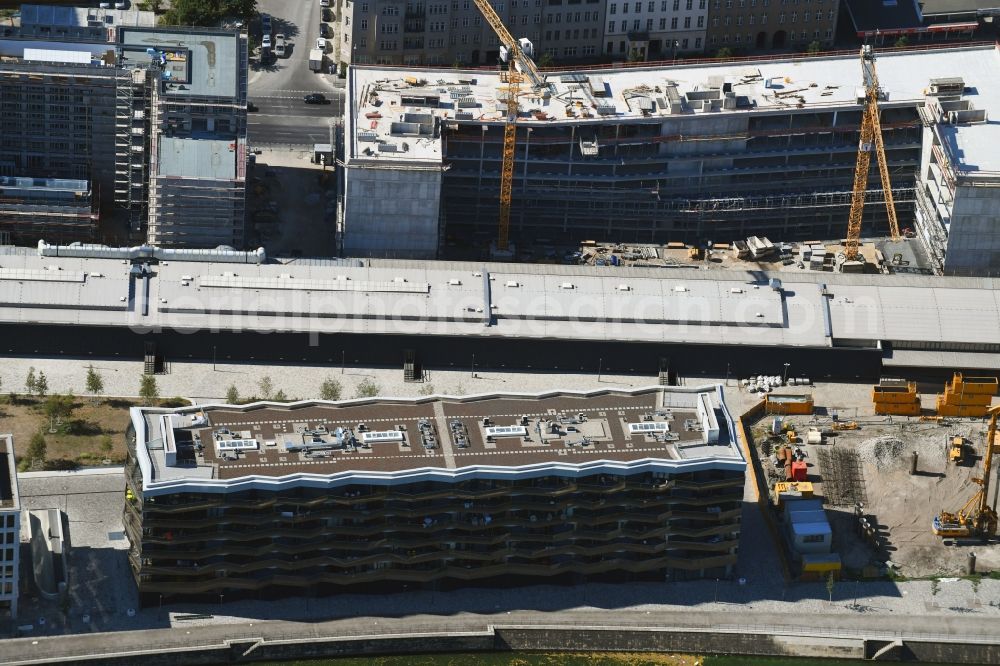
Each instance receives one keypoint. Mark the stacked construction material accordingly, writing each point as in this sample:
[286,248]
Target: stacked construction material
[896,396]
[967,396]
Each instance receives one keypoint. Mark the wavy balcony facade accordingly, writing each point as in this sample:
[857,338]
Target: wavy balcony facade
[205,534]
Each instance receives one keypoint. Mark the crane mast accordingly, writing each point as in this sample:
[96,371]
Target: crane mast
[519,65]
[871,137]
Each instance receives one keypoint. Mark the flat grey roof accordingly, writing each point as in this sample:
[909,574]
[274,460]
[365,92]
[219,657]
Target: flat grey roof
[214,57]
[55,16]
[933,7]
[726,307]
[384,122]
[197,158]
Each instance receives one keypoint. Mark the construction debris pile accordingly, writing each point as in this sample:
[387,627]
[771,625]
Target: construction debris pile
[883,452]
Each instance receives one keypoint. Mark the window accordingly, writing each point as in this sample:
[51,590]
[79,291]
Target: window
[638,8]
[364,24]
[701,21]
[697,42]
[663,24]
[625,8]
[614,9]
[684,43]
[830,16]
[569,51]
[687,21]
[621,46]
[611,26]
[781,18]
[763,19]
[364,7]
[715,22]
[736,38]
[588,50]
[673,23]
[805,17]
[689,4]
[651,7]
[794,15]
[714,40]
[677,5]
[663,5]
[739,20]
[729,4]
[611,47]
[813,538]
[635,24]
[752,20]
[819,16]
[727,21]
[701,5]
[649,24]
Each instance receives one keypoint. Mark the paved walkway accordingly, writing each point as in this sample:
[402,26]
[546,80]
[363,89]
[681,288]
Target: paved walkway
[968,629]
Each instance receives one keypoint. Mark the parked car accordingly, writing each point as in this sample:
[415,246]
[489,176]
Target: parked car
[315,98]
[324,30]
[265,24]
[265,42]
[279,45]
[321,44]
[324,3]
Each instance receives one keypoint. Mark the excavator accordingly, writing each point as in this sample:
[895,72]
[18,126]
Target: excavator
[977,518]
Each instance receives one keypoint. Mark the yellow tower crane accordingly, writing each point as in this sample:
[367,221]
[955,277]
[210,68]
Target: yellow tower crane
[871,137]
[519,64]
[977,517]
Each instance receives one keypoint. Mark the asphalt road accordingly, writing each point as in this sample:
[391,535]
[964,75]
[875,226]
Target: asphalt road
[277,88]
[284,119]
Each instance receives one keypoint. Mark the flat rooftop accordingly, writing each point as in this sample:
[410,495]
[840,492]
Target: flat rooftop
[210,58]
[392,438]
[396,115]
[53,16]
[213,159]
[517,301]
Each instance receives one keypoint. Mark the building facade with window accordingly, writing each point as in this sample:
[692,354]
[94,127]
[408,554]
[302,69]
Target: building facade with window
[447,32]
[654,29]
[312,498]
[10,527]
[771,25]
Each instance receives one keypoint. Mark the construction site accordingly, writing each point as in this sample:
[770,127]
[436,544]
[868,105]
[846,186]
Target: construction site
[692,154]
[901,488]
[123,133]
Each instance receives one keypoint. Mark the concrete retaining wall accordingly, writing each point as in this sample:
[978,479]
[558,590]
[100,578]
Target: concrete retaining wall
[518,638]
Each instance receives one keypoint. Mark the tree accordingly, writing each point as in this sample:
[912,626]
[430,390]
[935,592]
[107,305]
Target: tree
[367,389]
[232,395]
[107,445]
[814,47]
[829,586]
[266,387]
[330,389]
[30,382]
[41,384]
[58,406]
[724,52]
[148,390]
[280,396]
[208,12]
[901,42]
[95,383]
[546,59]
[37,448]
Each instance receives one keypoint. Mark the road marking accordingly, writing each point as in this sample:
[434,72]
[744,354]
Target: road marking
[281,115]
[295,93]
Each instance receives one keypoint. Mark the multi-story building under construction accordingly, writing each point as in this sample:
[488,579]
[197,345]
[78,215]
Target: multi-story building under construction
[105,128]
[682,153]
[226,502]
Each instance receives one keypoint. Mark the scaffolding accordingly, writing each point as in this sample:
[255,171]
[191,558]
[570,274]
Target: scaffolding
[132,135]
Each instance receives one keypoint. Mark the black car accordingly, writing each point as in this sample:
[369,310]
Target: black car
[315,98]
[251,107]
